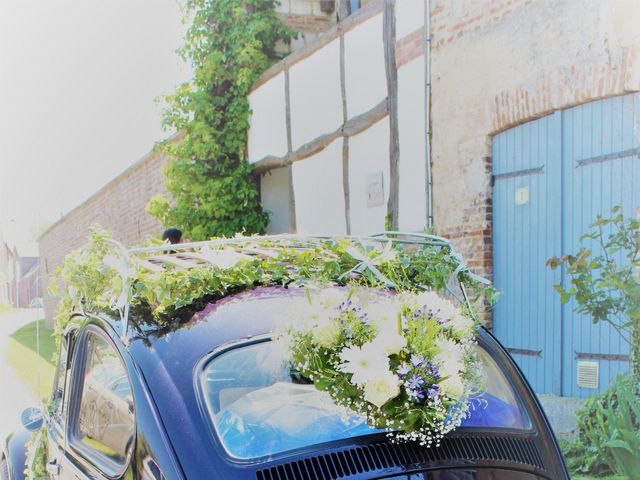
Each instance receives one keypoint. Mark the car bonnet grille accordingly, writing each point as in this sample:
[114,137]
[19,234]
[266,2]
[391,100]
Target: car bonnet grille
[382,456]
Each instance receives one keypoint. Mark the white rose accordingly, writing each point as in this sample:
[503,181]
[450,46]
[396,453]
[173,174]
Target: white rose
[382,389]
[453,386]
[449,367]
[460,323]
[383,314]
[449,350]
[330,298]
[390,342]
[450,357]
[326,334]
[431,299]
[365,363]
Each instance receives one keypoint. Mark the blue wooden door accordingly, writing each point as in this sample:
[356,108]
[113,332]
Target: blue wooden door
[526,227]
[601,170]
[552,177]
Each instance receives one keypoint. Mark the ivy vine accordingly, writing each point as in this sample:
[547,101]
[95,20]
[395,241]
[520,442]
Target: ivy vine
[211,188]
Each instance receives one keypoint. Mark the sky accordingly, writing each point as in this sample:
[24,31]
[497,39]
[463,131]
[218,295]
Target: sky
[78,83]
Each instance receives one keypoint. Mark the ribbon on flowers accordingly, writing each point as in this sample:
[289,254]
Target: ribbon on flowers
[387,254]
[462,267]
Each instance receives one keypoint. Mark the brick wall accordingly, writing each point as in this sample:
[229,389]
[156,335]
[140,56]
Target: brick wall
[119,207]
[307,18]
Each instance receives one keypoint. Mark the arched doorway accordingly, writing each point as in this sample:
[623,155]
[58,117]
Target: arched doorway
[552,176]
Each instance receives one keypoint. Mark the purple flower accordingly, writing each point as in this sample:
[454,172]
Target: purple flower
[403,370]
[416,395]
[415,382]
[433,391]
[432,370]
[416,360]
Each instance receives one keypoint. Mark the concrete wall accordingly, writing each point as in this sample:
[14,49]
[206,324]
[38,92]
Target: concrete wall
[316,105]
[8,274]
[119,207]
[494,64]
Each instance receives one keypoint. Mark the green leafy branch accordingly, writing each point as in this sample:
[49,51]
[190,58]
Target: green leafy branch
[211,188]
[606,286]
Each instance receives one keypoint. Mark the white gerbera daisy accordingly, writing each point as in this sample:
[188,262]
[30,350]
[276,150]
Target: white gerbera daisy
[366,363]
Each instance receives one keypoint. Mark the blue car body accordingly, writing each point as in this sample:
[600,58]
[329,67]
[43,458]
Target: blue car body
[173,436]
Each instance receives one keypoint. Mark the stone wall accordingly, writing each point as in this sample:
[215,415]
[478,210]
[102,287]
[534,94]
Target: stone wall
[496,64]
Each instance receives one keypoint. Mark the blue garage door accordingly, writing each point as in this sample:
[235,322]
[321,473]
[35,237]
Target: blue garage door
[552,177]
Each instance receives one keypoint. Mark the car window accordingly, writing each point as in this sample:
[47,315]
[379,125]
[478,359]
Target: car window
[498,405]
[105,423]
[259,408]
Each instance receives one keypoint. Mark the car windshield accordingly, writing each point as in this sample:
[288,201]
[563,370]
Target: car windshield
[259,408]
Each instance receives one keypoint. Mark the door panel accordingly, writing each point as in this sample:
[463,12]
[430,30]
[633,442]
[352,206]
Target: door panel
[600,171]
[526,169]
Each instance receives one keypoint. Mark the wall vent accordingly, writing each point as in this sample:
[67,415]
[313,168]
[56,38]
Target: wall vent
[588,374]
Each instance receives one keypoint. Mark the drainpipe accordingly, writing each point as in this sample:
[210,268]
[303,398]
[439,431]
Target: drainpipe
[426,45]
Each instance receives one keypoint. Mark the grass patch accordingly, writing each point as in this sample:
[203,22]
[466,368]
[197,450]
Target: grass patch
[583,477]
[23,358]
[5,308]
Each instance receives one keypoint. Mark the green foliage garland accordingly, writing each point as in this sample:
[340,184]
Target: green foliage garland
[170,296]
[212,191]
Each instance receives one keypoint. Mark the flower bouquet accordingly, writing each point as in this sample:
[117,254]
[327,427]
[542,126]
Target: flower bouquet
[402,362]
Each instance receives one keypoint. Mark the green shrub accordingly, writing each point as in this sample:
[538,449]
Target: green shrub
[584,459]
[606,286]
[608,428]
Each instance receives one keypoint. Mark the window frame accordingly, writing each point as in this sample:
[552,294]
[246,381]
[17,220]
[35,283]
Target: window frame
[104,465]
[58,415]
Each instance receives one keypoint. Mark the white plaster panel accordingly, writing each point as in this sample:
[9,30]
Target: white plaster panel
[274,192]
[411,124]
[368,155]
[409,17]
[319,195]
[365,78]
[268,122]
[316,100]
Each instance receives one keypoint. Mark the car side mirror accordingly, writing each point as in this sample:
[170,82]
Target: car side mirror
[32,419]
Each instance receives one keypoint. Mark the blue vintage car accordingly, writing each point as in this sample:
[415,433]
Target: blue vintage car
[213,398]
